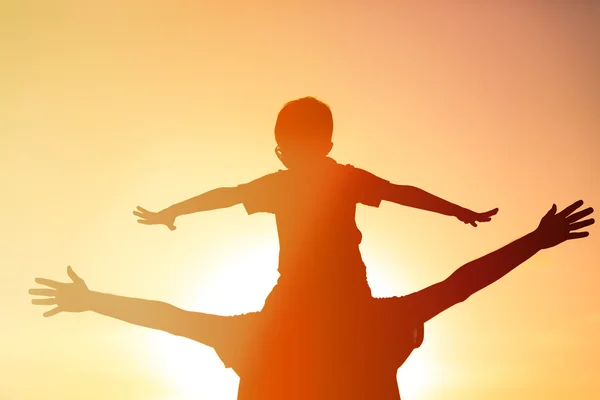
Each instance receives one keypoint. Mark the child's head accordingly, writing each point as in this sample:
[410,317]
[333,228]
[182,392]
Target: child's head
[303,132]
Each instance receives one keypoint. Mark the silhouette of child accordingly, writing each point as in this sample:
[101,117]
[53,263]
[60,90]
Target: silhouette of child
[314,201]
[349,356]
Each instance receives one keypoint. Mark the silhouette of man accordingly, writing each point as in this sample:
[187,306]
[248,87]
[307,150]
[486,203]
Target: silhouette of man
[354,354]
[322,275]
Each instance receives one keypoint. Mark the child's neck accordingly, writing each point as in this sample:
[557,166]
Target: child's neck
[313,164]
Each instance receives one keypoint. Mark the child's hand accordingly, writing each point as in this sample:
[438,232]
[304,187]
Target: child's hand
[153,218]
[68,297]
[471,217]
[556,228]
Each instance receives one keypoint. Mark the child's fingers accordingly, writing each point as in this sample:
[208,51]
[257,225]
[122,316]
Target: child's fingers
[145,222]
[138,214]
[490,213]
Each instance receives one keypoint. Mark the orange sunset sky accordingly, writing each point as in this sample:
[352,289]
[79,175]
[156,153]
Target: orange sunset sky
[106,105]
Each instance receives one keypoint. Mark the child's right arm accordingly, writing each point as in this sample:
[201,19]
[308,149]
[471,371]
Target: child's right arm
[215,199]
[76,297]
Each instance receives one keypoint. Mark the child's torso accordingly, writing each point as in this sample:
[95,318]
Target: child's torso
[318,236]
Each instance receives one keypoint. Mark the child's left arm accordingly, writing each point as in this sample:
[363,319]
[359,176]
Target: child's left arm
[411,196]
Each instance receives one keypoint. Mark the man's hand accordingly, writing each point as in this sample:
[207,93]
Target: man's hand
[68,297]
[153,218]
[471,217]
[556,228]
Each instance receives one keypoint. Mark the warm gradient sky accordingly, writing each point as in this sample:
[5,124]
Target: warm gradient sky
[105,105]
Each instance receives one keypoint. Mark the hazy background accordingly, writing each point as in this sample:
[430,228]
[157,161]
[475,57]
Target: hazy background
[106,105]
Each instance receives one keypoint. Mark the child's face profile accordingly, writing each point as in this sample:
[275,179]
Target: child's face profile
[302,154]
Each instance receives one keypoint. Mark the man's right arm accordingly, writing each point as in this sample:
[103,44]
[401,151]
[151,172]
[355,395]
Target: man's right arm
[478,274]
[469,279]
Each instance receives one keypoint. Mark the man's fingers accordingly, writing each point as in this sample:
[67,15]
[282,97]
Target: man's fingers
[138,214]
[52,312]
[43,292]
[142,209]
[567,211]
[172,227]
[44,302]
[578,235]
[551,212]
[74,277]
[145,222]
[581,224]
[578,215]
[49,282]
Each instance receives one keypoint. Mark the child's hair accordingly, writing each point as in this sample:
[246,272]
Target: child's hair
[302,121]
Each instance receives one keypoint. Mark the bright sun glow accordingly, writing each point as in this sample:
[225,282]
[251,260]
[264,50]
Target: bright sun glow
[240,284]
[191,371]
[415,375]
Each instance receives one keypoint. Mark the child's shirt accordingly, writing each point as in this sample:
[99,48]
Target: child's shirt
[318,237]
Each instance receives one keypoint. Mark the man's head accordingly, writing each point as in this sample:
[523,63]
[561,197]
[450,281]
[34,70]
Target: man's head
[303,132]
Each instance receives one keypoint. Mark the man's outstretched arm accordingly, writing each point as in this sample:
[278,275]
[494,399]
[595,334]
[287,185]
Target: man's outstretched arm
[414,197]
[76,297]
[472,277]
